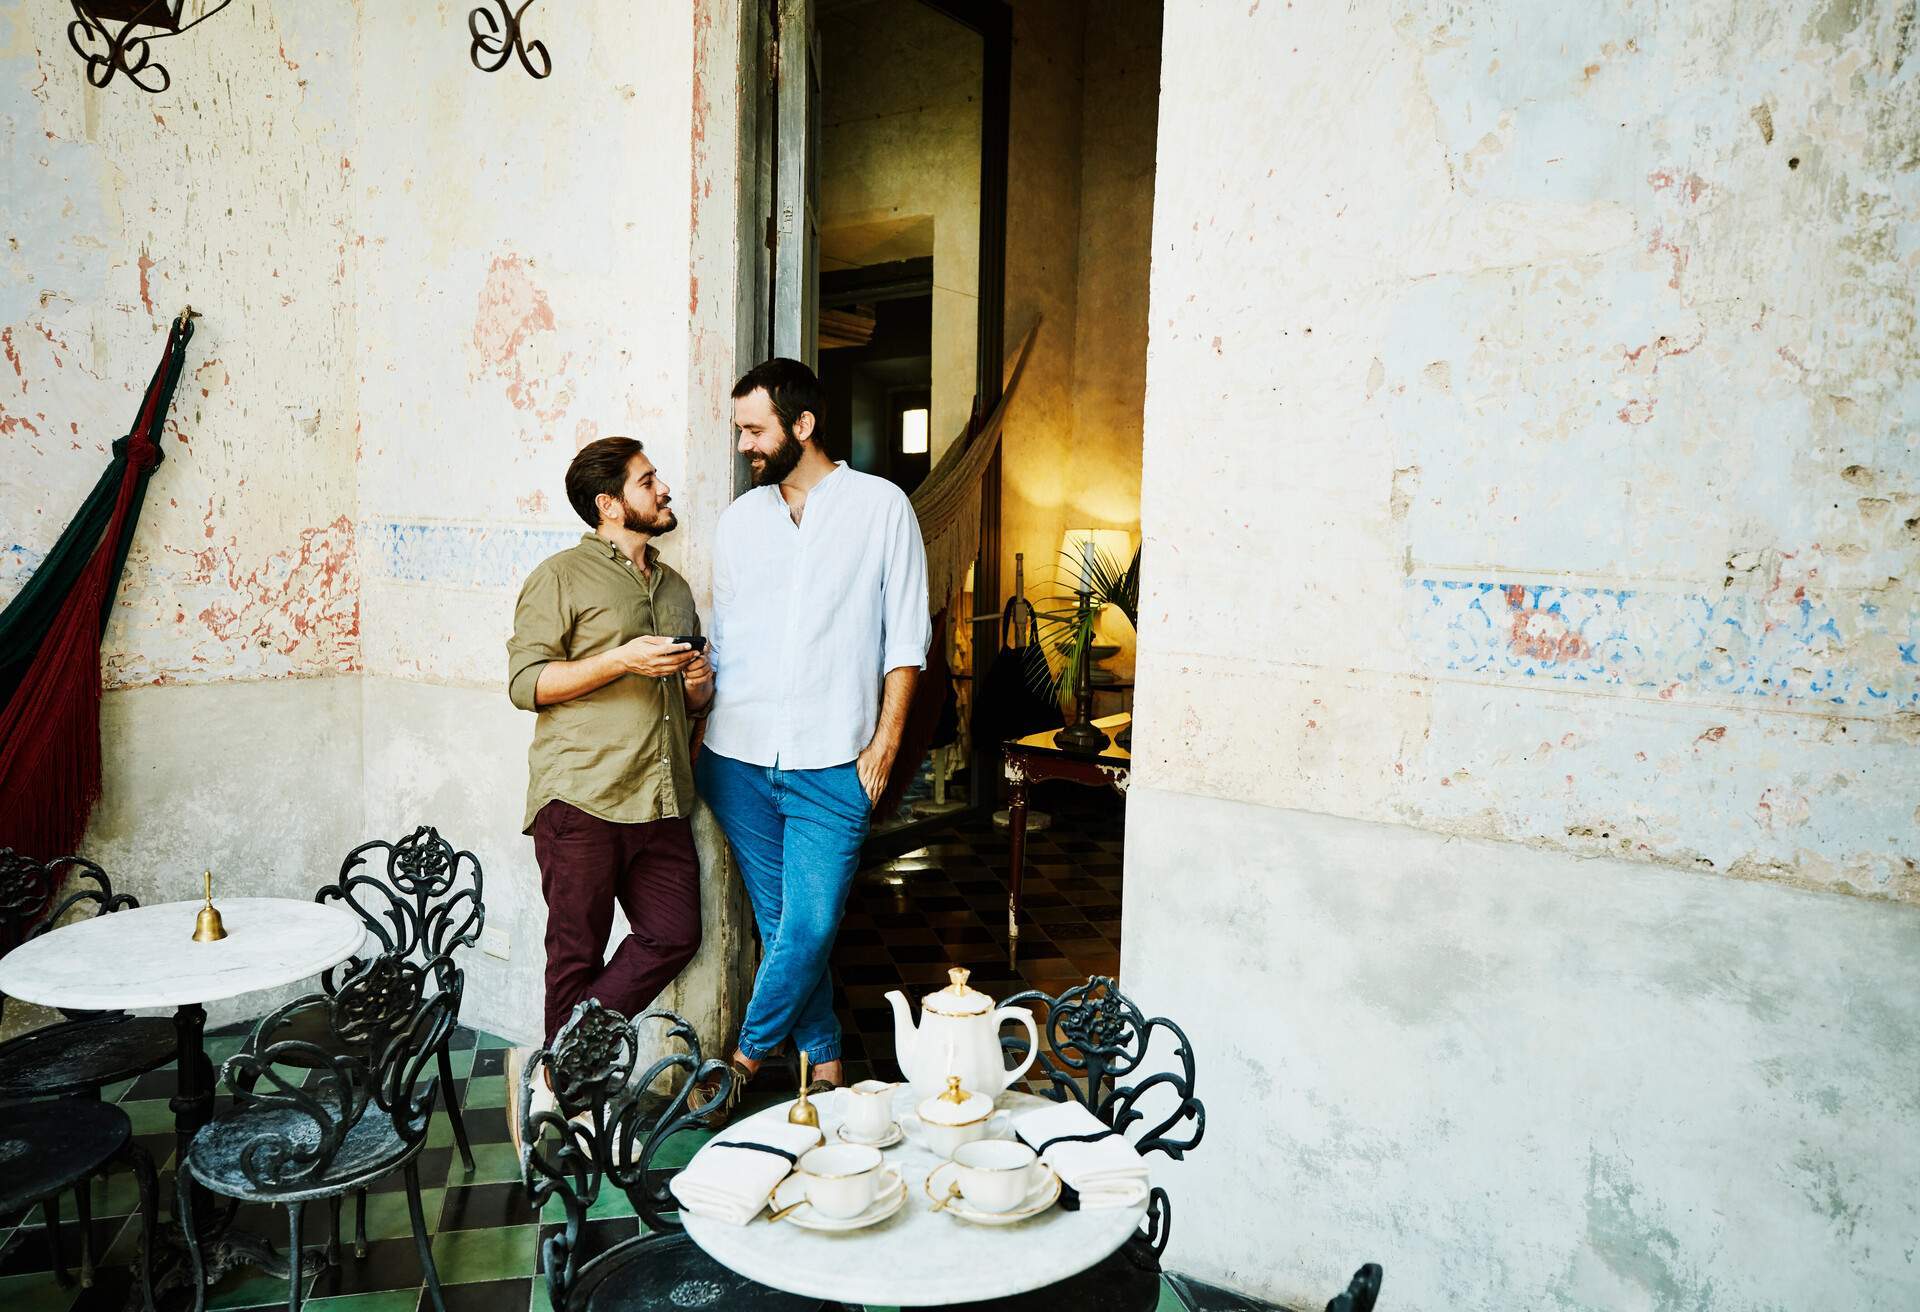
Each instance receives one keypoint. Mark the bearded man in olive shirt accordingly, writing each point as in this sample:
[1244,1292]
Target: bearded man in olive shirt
[610,791]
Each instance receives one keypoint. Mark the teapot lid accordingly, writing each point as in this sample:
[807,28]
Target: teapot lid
[956,1106]
[956,999]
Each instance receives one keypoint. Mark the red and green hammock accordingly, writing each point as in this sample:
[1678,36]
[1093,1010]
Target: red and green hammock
[50,641]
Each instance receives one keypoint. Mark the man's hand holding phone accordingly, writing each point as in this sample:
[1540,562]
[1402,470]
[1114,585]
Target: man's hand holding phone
[658,657]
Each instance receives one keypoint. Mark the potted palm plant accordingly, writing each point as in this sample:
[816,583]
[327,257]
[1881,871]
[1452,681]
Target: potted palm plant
[1067,625]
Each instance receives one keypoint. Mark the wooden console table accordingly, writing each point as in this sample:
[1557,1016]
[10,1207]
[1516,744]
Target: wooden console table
[1034,758]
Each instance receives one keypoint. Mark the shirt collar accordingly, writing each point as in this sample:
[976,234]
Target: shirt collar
[780,498]
[595,542]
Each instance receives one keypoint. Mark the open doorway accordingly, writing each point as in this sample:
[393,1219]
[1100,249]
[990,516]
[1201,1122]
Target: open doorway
[974,169]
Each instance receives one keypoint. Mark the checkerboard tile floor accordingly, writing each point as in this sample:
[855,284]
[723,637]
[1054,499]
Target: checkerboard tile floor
[908,920]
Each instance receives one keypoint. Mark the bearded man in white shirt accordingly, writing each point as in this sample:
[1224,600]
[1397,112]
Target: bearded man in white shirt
[820,629]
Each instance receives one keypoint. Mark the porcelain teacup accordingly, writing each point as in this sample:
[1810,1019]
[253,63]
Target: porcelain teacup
[841,1179]
[995,1175]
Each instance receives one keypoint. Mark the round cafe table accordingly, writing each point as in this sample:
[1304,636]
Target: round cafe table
[917,1257]
[146,957]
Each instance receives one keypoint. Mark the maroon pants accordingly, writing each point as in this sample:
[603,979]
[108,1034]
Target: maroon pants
[586,865]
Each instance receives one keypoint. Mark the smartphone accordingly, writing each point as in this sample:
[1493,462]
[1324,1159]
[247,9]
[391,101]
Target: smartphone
[697,643]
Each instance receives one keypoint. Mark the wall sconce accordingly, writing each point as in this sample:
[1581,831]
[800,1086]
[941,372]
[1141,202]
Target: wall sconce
[502,38]
[126,53]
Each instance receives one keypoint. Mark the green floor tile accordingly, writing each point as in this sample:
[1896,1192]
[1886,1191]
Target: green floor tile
[483,1040]
[611,1202]
[117,1195]
[461,1062]
[393,1300]
[248,1289]
[679,1150]
[219,1049]
[387,1216]
[468,1256]
[493,1163]
[115,1092]
[149,1116]
[486,1091]
[35,1294]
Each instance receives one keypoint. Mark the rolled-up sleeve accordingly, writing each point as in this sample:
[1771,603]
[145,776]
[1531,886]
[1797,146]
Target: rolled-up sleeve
[908,626]
[539,630]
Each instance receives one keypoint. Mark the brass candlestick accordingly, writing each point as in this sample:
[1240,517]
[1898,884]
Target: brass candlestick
[206,926]
[802,1112]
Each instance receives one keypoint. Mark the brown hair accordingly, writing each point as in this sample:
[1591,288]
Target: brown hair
[599,467]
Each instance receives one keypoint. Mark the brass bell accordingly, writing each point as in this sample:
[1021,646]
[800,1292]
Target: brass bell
[206,926]
[802,1111]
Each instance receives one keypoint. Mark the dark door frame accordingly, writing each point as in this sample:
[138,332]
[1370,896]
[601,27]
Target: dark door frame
[993,21]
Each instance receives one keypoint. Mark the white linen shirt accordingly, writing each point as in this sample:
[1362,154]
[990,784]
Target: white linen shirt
[808,618]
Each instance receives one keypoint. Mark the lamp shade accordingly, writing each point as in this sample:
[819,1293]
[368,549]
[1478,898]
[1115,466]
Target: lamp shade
[1080,547]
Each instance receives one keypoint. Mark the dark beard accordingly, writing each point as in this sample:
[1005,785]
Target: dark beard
[777,466]
[663,522]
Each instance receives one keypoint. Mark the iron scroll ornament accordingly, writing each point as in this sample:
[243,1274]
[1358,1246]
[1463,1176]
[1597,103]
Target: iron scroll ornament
[125,52]
[502,38]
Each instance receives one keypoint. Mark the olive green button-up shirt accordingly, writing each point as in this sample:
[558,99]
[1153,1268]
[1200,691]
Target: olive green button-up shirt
[620,752]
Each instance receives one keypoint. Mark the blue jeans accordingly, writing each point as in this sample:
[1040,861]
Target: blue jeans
[796,835]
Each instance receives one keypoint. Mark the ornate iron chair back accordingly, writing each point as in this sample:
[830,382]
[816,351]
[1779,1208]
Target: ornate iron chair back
[429,902]
[1093,1043]
[31,901]
[591,1068]
[386,1025]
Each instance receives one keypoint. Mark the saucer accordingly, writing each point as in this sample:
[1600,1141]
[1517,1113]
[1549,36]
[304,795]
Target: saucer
[892,1198]
[1042,1196]
[887,1140]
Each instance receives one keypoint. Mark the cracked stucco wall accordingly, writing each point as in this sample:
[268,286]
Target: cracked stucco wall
[231,720]
[1528,706]
[423,287]
[1559,385]
[536,268]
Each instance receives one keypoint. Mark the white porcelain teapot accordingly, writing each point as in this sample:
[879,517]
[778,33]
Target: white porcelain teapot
[959,1034]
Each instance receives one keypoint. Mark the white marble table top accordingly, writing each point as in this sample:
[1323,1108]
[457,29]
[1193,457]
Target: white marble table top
[917,1257]
[146,956]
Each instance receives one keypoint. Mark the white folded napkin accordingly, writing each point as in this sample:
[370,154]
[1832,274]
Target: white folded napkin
[731,1183]
[1105,1172]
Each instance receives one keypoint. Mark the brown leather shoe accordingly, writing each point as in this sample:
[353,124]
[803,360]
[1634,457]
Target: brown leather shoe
[714,1111]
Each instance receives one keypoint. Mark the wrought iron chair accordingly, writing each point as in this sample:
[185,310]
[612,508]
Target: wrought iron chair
[75,1057]
[419,912]
[1362,1292]
[49,1146]
[617,1140]
[1093,1042]
[91,1048]
[1198,1296]
[352,1113]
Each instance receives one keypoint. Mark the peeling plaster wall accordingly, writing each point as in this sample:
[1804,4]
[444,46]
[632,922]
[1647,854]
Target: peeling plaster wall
[118,208]
[424,287]
[1530,456]
[1564,379]
[523,287]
